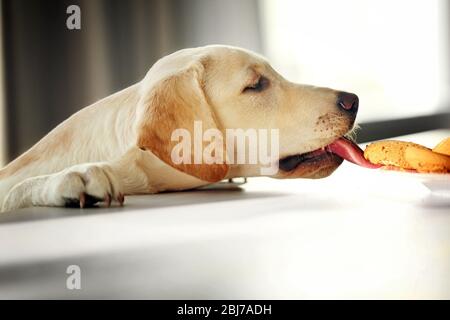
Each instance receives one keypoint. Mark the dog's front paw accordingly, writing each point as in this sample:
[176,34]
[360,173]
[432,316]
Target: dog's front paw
[78,186]
[83,186]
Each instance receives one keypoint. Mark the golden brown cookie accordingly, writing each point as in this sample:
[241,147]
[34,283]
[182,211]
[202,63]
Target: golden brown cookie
[407,156]
[443,147]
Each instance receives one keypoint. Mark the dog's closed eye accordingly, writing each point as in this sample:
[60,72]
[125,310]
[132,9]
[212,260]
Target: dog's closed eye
[261,84]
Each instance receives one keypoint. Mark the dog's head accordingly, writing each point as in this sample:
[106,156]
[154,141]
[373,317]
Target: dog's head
[230,88]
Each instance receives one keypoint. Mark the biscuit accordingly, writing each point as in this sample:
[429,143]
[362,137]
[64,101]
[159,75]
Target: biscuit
[407,156]
[443,147]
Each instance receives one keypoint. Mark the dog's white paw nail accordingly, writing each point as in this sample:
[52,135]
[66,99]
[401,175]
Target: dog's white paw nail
[121,199]
[82,200]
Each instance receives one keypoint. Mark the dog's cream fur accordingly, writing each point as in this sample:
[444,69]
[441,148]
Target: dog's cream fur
[121,144]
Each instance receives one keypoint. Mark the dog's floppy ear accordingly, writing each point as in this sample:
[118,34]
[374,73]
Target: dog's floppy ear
[176,102]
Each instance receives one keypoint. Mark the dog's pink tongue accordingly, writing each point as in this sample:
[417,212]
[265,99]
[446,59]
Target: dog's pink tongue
[350,151]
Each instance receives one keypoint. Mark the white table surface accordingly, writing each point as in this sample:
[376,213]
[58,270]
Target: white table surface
[357,234]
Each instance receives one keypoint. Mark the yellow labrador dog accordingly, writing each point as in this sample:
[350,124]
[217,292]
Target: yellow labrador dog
[122,145]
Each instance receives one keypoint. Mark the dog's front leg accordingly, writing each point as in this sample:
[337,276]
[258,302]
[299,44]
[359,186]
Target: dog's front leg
[80,185]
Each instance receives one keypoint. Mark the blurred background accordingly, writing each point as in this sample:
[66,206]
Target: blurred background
[393,54]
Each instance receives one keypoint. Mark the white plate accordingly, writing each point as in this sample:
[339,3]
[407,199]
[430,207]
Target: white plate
[438,180]
[437,183]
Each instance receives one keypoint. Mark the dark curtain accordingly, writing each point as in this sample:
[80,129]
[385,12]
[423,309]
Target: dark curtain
[51,71]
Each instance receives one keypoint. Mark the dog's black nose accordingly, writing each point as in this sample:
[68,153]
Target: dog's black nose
[348,101]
